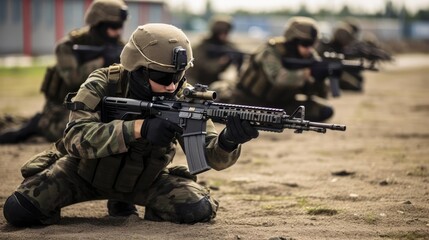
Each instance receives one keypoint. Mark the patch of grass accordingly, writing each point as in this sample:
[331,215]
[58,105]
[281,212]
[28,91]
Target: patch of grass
[268,207]
[22,71]
[218,182]
[258,161]
[370,218]
[321,211]
[262,198]
[21,82]
[302,202]
[367,105]
[408,235]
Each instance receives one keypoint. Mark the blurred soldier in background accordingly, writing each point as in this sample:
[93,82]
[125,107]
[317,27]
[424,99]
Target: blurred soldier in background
[347,43]
[344,34]
[265,81]
[127,159]
[78,54]
[215,53]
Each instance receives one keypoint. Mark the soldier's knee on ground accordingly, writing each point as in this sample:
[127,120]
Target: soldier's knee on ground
[189,213]
[325,113]
[20,212]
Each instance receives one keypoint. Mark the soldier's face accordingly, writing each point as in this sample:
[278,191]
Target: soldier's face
[114,33]
[158,88]
[305,51]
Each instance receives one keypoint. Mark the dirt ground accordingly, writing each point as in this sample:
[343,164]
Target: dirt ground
[370,182]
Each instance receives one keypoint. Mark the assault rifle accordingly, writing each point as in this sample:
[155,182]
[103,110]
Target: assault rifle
[85,53]
[368,51]
[197,107]
[331,67]
[236,56]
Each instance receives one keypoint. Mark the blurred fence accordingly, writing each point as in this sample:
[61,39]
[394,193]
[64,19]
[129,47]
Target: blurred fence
[32,27]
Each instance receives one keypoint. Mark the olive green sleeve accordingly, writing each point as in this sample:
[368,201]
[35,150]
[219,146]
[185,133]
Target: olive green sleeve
[74,73]
[279,75]
[206,64]
[86,136]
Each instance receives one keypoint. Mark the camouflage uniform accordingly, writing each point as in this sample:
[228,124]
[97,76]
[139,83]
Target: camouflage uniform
[105,161]
[343,35]
[266,82]
[97,160]
[71,70]
[70,74]
[210,51]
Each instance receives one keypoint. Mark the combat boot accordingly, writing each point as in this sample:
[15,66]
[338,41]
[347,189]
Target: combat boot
[121,209]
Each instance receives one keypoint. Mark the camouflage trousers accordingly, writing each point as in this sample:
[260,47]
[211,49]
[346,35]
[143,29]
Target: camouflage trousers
[53,121]
[50,124]
[170,198]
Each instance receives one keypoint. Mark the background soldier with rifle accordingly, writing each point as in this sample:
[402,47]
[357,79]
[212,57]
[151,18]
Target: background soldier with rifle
[119,148]
[266,81]
[215,53]
[346,43]
[78,54]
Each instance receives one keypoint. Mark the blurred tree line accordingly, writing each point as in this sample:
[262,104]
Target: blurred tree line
[389,11]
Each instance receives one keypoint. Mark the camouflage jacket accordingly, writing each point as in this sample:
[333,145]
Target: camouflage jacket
[207,68]
[73,68]
[267,79]
[86,137]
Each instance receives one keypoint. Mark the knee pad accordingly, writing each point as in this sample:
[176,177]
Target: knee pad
[326,113]
[20,212]
[200,211]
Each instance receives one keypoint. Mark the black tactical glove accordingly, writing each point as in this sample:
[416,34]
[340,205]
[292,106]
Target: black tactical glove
[320,70]
[236,132]
[159,132]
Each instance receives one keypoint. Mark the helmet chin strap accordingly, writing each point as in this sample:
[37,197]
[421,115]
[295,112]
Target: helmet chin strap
[179,86]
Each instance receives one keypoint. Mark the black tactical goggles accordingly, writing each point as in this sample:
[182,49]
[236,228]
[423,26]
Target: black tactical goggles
[163,78]
[306,43]
[114,25]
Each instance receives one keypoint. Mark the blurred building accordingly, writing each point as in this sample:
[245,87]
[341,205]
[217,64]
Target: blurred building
[32,27]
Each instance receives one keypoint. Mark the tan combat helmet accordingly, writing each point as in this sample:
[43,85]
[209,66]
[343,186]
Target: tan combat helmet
[157,46]
[354,25]
[220,24]
[106,11]
[301,28]
[343,34]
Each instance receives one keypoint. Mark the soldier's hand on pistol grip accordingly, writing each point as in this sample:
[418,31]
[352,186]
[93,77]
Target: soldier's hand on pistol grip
[319,70]
[159,132]
[236,132]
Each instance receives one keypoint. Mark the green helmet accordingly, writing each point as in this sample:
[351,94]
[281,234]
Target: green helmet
[157,46]
[301,28]
[220,24]
[343,35]
[106,11]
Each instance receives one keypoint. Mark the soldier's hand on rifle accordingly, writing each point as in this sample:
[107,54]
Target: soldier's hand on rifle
[236,132]
[158,131]
[319,70]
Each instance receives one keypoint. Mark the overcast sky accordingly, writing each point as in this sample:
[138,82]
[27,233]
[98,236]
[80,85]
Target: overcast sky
[370,6]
